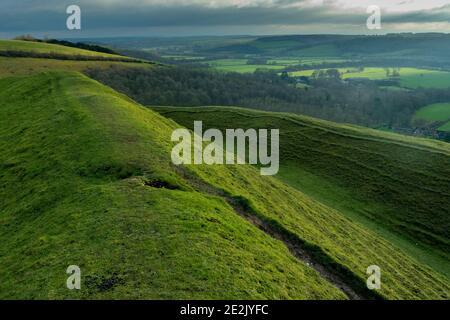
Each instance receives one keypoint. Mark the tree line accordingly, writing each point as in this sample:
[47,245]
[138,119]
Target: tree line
[358,102]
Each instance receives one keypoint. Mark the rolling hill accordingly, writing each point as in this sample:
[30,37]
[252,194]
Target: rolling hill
[86,179]
[77,176]
[47,48]
[391,46]
[396,182]
[29,57]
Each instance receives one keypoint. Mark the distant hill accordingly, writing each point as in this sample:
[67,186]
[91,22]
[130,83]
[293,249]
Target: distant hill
[34,49]
[401,48]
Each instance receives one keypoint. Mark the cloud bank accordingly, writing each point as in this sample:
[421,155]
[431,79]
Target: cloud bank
[173,17]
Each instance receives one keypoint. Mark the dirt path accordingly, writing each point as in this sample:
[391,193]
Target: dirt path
[339,276]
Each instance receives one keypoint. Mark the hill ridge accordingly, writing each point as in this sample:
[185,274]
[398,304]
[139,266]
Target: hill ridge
[84,165]
[389,175]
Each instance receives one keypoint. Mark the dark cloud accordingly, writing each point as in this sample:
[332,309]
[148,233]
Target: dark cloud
[441,14]
[36,15]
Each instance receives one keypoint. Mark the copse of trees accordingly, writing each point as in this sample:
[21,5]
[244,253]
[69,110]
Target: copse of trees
[81,45]
[328,73]
[178,86]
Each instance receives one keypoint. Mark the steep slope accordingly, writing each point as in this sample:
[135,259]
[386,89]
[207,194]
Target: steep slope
[81,171]
[398,186]
[86,179]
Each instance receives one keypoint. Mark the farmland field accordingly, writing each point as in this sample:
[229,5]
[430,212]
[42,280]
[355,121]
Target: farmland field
[240,65]
[409,77]
[305,60]
[435,112]
[181,57]
[445,127]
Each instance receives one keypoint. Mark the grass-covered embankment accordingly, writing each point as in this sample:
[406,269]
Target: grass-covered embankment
[395,185]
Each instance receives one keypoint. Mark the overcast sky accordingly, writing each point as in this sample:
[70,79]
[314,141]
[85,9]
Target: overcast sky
[219,17]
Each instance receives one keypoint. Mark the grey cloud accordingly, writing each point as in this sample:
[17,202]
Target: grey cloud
[441,14]
[38,15]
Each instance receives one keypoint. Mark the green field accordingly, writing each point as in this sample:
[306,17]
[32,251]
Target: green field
[86,179]
[285,62]
[241,66]
[439,112]
[182,57]
[305,61]
[398,186]
[409,77]
[445,127]
[317,51]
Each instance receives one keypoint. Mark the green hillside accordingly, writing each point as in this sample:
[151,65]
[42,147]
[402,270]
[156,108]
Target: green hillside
[76,161]
[86,179]
[80,173]
[435,112]
[66,59]
[398,186]
[42,47]
[240,65]
[27,66]
[445,127]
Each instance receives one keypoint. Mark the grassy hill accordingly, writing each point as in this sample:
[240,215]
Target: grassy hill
[240,65]
[81,173]
[86,179]
[46,48]
[77,168]
[65,59]
[26,66]
[393,184]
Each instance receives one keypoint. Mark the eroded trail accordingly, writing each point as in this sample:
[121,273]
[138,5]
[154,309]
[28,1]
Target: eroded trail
[312,256]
